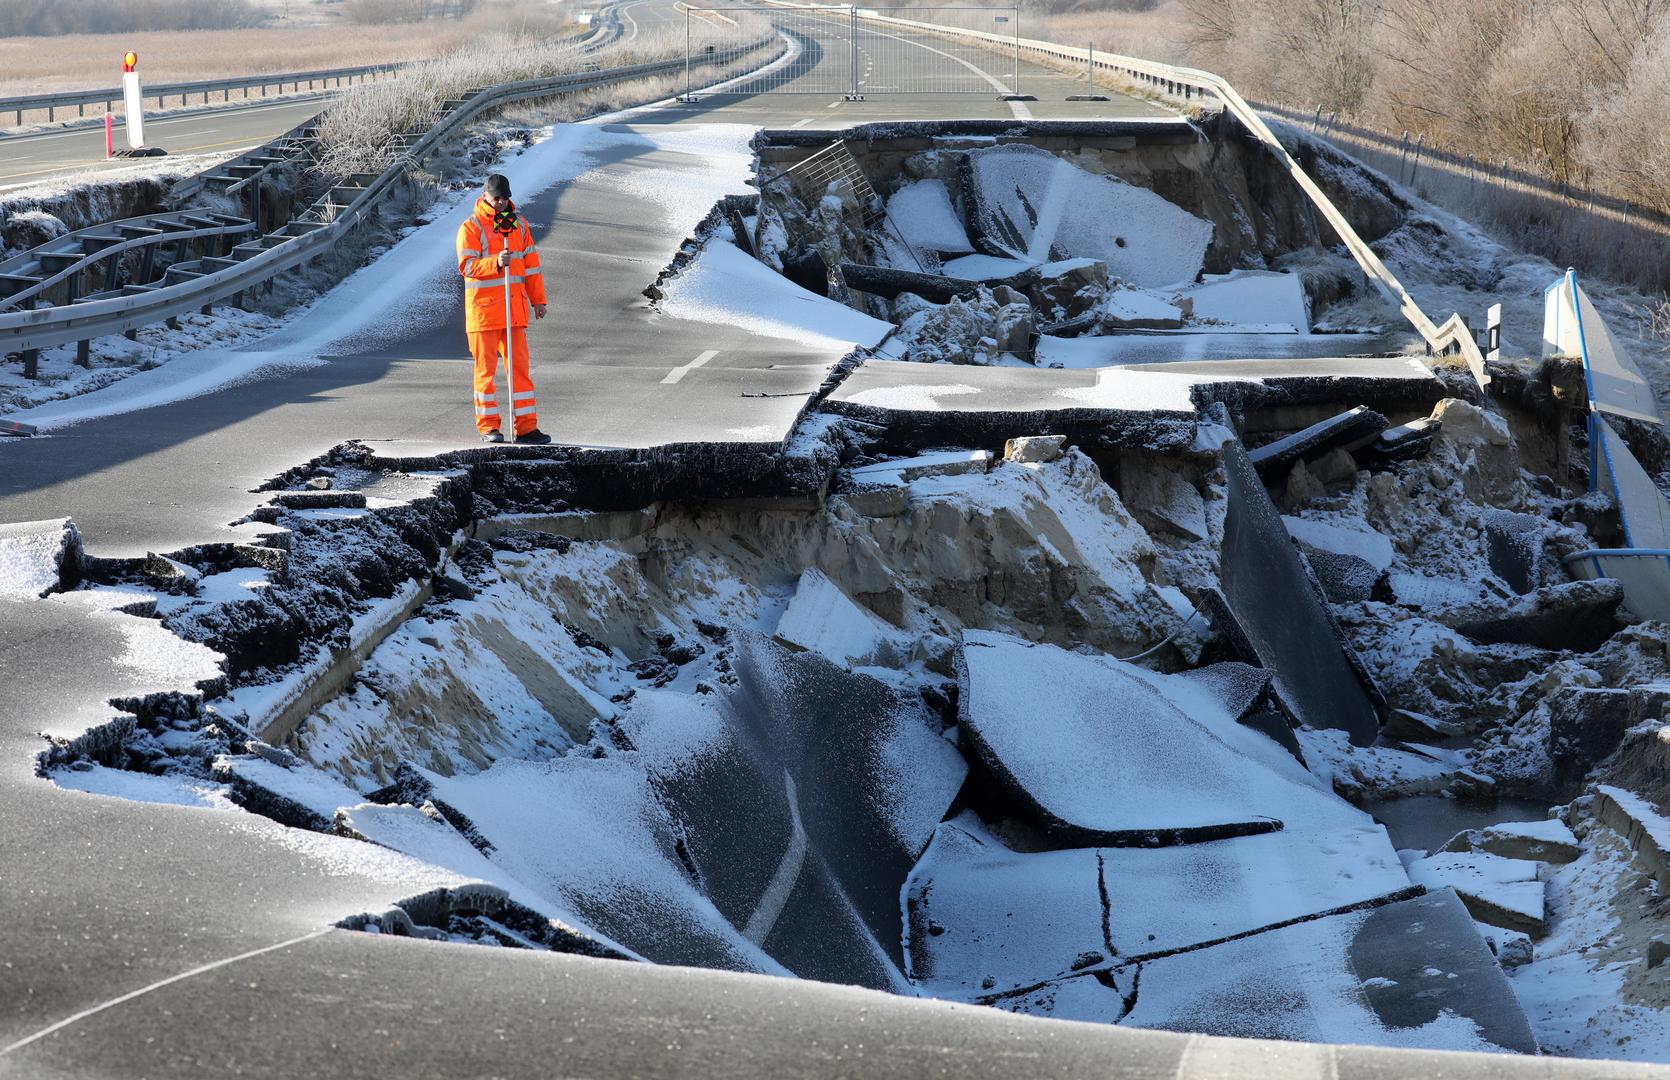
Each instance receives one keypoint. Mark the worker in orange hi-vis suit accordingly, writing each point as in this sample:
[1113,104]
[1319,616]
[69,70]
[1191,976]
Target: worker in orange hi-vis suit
[493,243]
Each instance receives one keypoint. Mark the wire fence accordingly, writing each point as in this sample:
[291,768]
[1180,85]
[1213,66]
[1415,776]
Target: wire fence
[1567,224]
[845,51]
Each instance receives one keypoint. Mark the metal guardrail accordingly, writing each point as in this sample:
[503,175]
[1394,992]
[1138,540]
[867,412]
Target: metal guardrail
[64,259]
[1452,335]
[329,78]
[1503,172]
[301,241]
[80,99]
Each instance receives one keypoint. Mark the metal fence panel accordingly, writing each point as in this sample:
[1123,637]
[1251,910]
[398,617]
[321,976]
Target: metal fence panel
[854,52]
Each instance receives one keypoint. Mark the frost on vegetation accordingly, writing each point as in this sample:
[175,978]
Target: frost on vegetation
[354,132]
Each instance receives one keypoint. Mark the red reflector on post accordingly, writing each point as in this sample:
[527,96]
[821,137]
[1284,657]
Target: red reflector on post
[130,61]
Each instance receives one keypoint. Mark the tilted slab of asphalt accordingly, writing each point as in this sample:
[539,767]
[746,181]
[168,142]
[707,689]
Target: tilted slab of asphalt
[154,940]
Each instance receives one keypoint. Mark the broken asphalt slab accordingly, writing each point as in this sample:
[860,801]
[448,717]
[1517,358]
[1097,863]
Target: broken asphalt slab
[1281,614]
[1414,972]
[1096,751]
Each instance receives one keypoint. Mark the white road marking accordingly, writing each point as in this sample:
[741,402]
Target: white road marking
[834,105]
[182,976]
[798,124]
[776,895]
[678,373]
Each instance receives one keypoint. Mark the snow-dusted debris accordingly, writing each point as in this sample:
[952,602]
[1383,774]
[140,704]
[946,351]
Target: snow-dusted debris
[263,785]
[1282,616]
[592,840]
[724,285]
[1542,841]
[985,919]
[1039,207]
[1252,301]
[823,619]
[921,212]
[36,557]
[1127,306]
[1094,747]
[1412,974]
[1502,892]
[1343,538]
[985,268]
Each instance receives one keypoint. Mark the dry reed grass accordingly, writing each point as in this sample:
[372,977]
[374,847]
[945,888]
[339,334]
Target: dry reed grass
[34,65]
[1155,34]
[355,130]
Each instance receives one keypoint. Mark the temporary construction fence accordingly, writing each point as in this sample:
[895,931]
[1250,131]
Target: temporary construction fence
[851,52]
[1617,391]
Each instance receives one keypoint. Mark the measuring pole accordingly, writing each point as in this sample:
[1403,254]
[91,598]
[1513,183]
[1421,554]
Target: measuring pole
[1090,68]
[133,101]
[687,90]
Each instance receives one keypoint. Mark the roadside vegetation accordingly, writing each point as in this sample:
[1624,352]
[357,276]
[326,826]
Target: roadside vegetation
[354,132]
[300,35]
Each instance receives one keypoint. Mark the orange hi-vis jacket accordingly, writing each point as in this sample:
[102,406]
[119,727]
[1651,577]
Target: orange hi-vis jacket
[479,245]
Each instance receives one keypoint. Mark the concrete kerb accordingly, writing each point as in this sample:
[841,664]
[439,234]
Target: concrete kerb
[1647,834]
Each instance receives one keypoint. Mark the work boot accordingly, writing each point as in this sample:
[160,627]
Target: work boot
[536,437]
[492,436]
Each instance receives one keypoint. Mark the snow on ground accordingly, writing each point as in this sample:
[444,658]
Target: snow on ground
[1510,884]
[1588,991]
[1126,302]
[921,215]
[725,286]
[397,289]
[1163,346]
[985,267]
[1041,207]
[1253,301]
[1103,745]
[1296,983]
[142,787]
[1343,538]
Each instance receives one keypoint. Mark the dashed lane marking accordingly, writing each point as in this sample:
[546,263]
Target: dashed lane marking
[680,372]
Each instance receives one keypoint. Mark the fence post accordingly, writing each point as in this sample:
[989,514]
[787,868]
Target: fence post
[1402,156]
[1017,79]
[1415,160]
[852,49]
[1317,119]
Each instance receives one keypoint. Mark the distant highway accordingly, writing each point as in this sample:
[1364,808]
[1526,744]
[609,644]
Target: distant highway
[30,159]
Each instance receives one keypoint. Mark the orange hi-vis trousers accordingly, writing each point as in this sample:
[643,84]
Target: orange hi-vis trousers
[487,346]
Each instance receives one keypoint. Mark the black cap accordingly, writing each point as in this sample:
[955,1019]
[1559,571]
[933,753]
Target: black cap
[498,186]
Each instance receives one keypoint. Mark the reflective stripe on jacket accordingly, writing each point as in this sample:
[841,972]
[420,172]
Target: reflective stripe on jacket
[479,245]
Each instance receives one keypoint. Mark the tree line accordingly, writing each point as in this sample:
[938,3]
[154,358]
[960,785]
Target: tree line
[1574,89]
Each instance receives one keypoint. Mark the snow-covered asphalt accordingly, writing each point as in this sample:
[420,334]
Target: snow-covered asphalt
[172,941]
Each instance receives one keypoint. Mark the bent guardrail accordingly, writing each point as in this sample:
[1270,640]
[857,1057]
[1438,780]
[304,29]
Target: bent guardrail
[301,241]
[1453,335]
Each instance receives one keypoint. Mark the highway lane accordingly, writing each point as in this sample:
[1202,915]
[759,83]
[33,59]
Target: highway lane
[157,940]
[33,158]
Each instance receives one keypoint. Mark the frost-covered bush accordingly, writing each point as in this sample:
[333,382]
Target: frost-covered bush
[355,133]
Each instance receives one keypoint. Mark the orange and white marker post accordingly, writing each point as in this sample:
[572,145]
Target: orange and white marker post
[133,101]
